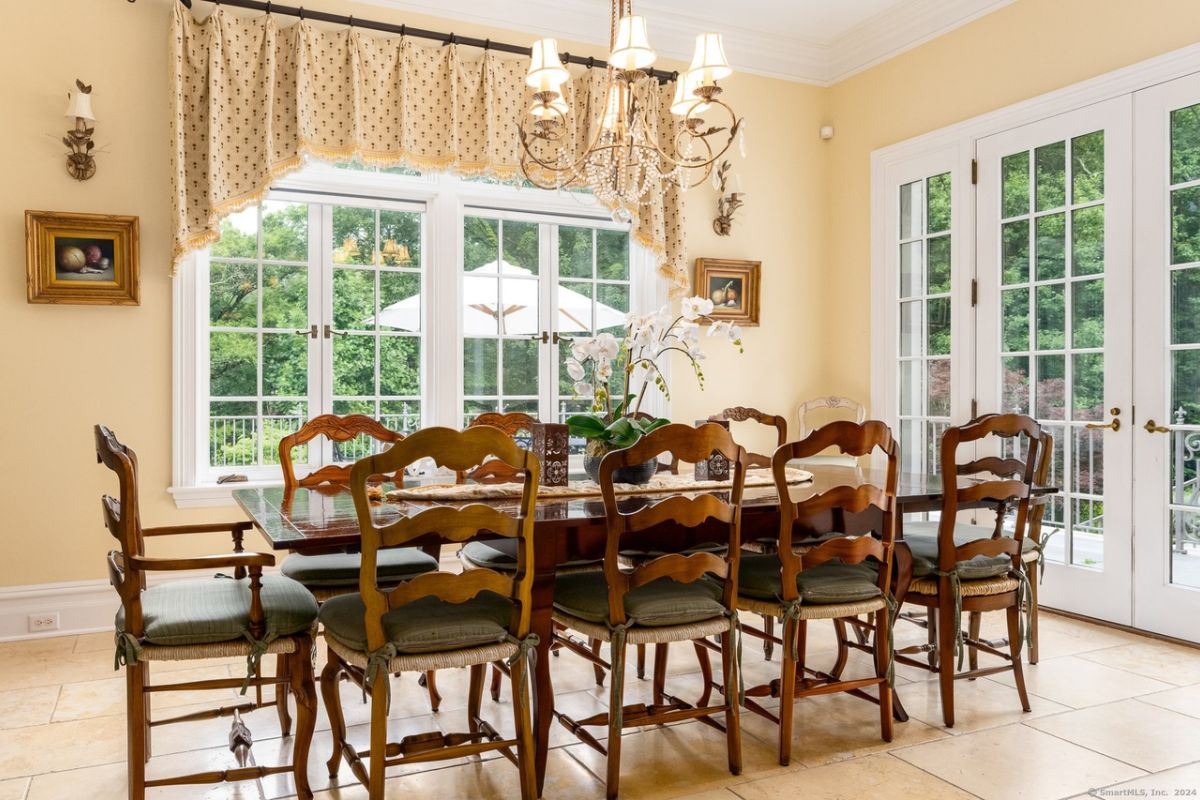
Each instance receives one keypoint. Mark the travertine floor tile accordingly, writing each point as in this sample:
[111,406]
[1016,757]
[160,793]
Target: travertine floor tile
[61,745]
[20,708]
[1165,662]
[977,704]
[1185,700]
[871,776]
[14,789]
[104,698]
[1016,761]
[1178,782]
[1079,683]
[1137,733]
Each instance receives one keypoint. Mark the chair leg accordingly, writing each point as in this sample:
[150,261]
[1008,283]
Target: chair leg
[475,695]
[843,650]
[705,674]
[801,647]
[146,716]
[435,699]
[769,630]
[616,695]
[733,722]
[330,678]
[1014,639]
[1033,615]
[497,681]
[787,689]
[136,723]
[661,650]
[931,617]
[282,667]
[523,720]
[304,688]
[641,662]
[883,637]
[945,656]
[379,714]
[974,628]
[599,670]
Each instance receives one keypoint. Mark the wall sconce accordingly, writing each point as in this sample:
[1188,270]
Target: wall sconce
[80,163]
[728,202]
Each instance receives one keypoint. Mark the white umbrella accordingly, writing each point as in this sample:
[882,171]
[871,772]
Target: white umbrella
[520,300]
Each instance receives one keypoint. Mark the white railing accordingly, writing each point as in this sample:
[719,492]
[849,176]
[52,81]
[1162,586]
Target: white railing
[235,441]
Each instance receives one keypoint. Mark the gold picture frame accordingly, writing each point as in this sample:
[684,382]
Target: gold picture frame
[737,283]
[83,259]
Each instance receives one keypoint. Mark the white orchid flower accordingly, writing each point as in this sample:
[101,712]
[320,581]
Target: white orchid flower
[690,332]
[604,371]
[719,328]
[735,333]
[574,369]
[694,307]
[581,349]
[605,347]
[583,389]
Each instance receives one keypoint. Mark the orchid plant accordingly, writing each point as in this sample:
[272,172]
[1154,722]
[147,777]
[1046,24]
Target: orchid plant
[615,423]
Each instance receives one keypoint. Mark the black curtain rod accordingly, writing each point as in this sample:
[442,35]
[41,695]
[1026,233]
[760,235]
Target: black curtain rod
[404,30]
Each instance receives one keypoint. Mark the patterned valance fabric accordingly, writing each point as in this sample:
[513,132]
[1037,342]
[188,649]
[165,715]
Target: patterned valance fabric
[253,98]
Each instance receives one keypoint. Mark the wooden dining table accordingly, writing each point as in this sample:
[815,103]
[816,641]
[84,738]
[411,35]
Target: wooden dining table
[323,519]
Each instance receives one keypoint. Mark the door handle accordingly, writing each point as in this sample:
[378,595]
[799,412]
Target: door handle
[329,332]
[1114,425]
[555,338]
[1153,427]
[310,332]
[542,337]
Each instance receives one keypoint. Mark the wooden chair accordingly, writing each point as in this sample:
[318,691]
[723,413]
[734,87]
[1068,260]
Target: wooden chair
[923,534]
[248,616]
[675,597]
[833,580]
[953,574]
[438,620]
[334,574]
[832,402]
[512,423]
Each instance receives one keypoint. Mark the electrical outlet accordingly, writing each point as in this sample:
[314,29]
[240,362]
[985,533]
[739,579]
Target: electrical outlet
[40,623]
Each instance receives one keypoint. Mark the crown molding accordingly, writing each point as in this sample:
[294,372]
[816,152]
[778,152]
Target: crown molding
[790,57]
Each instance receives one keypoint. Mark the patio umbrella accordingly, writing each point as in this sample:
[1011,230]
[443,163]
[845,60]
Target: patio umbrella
[482,308]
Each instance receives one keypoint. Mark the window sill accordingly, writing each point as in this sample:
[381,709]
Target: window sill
[213,495]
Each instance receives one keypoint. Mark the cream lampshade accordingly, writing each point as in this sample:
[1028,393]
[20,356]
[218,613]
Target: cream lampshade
[685,99]
[632,49]
[80,106]
[558,104]
[709,64]
[546,71]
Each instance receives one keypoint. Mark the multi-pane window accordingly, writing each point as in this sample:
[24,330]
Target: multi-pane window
[1185,344]
[924,315]
[1052,338]
[258,333]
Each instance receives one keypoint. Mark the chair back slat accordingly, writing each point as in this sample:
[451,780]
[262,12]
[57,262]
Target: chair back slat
[828,403]
[718,514]
[1012,481]
[123,521]
[494,471]
[458,451]
[337,429]
[747,414]
[873,507]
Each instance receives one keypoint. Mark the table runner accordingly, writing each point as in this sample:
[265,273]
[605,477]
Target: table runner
[662,482]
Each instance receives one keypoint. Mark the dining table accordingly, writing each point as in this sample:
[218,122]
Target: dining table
[323,519]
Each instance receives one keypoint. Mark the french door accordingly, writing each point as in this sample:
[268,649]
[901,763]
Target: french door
[1054,336]
[1166,435]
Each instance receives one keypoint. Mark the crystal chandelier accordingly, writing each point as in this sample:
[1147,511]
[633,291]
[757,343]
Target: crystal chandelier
[624,160]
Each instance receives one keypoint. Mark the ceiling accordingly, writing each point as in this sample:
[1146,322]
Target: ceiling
[812,41]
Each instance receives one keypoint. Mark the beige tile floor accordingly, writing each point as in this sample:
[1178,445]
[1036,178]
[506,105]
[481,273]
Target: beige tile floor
[1114,714]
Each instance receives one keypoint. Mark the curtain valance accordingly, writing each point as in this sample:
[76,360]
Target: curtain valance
[252,99]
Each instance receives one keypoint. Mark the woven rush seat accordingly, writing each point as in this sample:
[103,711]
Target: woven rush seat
[922,541]
[337,570]
[231,649]
[773,608]
[646,634]
[983,587]
[217,610]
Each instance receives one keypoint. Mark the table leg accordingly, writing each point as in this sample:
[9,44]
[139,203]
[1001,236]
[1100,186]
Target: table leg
[901,578]
[543,691]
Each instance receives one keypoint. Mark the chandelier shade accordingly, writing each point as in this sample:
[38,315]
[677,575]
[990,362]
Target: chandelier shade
[709,64]
[632,49]
[546,70]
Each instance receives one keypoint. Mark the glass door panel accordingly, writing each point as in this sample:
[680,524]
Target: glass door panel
[1054,332]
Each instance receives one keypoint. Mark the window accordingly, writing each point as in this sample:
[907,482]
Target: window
[416,300]
[924,256]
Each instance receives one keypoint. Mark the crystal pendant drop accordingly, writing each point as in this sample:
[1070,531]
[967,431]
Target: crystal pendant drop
[742,139]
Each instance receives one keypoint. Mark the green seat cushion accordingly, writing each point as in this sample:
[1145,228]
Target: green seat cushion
[658,603]
[341,569]
[501,555]
[212,610]
[922,540]
[428,625]
[824,584]
[799,543]
[641,556]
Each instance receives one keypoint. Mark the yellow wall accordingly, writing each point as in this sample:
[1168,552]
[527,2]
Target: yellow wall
[66,368]
[1025,49]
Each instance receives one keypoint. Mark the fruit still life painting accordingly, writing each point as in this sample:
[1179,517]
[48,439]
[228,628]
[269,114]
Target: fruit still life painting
[77,258]
[732,286]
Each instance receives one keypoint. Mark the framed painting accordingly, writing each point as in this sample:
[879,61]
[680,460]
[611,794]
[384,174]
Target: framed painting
[733,287]
[89,259]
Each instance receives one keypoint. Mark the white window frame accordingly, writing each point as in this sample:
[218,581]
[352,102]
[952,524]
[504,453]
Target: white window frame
[445,199]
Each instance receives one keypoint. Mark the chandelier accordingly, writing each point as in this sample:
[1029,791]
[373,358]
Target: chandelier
[624,160]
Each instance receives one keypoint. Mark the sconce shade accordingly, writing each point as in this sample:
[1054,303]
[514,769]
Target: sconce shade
[709,64]
[80,105]
[632,49]
[545,69]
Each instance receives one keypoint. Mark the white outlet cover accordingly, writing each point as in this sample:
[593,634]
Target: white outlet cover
[39,623]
